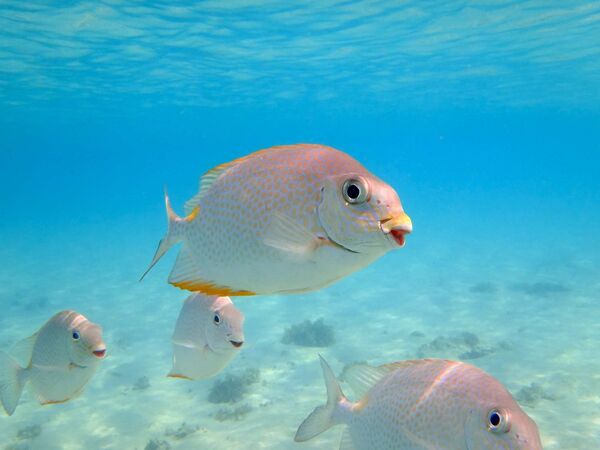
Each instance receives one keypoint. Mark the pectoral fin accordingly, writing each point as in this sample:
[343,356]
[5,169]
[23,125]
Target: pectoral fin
[23,350]
[291,237]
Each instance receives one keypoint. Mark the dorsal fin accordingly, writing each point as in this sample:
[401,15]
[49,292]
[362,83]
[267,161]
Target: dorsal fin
[207,180]
[411,362]
[362,377]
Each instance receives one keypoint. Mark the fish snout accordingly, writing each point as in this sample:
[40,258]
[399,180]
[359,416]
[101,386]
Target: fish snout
[237,344]
[99,352]
[397,227]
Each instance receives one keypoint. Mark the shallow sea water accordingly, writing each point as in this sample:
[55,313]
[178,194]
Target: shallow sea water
[484,119]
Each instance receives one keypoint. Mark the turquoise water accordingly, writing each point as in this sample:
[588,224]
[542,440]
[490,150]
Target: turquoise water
[484,118]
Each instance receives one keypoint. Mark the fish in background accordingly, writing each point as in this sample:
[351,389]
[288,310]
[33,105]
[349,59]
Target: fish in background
[208,334]
[58,361]
[284,219]
[422,404]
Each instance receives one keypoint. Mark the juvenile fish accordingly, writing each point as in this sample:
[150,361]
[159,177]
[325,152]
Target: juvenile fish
[58,361]
[208,334]
[281,220]
[422,404]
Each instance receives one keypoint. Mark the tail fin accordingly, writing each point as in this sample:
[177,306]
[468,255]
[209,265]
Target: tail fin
[12,379]
[174,232]
[322,418]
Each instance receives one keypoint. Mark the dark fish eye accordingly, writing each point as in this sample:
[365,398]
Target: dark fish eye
[495,419]
[217,319]
[355,191]
[76,336]
[498,421]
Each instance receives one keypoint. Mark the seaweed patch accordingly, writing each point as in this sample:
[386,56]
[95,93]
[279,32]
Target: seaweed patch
[233,388]
[483,288]
[465,346]
[29,432]
[156,444]
[234,414]
[309,334]
[141,384]
[532,394]
[417,334]
[182,432]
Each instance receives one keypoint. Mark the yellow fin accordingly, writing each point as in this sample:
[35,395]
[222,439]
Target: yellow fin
[186,274]
[360,405]
[177,375]
[209,288]
[53,402]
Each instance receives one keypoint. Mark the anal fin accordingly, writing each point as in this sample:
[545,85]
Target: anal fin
[185,275]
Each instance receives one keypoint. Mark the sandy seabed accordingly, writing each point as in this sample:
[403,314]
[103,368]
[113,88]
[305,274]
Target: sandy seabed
[514,312]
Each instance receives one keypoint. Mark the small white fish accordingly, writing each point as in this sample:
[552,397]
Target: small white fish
[58,361]
[208,334]
[420,405]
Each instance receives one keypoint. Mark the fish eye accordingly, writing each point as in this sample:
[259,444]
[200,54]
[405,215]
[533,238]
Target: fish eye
[498,421]
[76,335]
[355,191]
[217,319]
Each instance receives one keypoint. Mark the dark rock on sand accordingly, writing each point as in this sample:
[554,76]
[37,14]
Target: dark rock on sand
[309,334]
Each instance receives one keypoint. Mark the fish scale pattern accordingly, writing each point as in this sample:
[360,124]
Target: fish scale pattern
[431,404]
[224,246]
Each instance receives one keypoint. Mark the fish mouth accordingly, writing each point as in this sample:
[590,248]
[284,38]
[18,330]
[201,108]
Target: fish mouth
[398,236]
[397,228]
[237,344]
[99,353]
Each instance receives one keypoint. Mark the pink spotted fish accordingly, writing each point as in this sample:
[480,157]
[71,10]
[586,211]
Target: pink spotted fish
[281,220]
[422,404]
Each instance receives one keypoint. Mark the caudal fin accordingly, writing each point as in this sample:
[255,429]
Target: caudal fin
[322,418]
[174,232]
[12,380]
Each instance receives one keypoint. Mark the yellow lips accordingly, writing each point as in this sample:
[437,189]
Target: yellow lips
[397,227]
[400,223]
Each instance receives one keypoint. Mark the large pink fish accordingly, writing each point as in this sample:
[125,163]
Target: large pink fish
[421,405]
[281,220]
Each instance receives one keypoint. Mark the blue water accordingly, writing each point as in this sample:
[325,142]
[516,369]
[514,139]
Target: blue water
[484,118]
